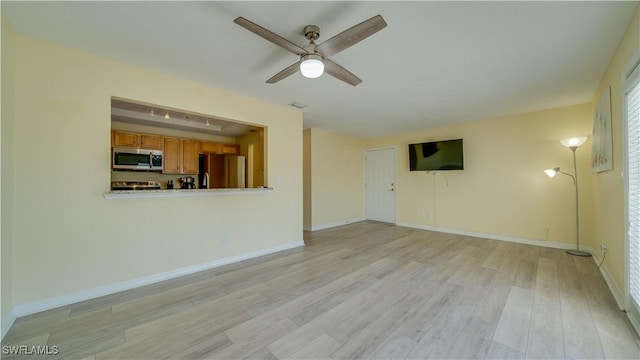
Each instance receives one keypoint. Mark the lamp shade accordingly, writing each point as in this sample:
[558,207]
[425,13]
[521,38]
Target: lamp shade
[574,141]
[551,172]
[311,66]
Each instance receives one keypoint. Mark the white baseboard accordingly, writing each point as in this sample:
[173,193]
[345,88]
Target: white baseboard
[52,303]
[618,295]
[615,290]
[332,225]
[550,244]
[7,322]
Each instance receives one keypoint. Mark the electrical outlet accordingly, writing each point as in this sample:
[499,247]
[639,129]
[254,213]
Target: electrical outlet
[428,215]
[223,241]
[603,247]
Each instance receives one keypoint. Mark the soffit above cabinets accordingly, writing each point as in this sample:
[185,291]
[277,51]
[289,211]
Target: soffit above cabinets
[158,116]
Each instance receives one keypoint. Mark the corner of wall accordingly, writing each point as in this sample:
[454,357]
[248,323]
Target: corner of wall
[7,80]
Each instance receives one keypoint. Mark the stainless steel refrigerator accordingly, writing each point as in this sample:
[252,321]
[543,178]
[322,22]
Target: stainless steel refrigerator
[234,167]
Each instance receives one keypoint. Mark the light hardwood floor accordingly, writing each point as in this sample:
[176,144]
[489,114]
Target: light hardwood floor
[366,290]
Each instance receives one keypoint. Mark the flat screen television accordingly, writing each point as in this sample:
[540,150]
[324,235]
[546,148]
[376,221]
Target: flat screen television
[436,155]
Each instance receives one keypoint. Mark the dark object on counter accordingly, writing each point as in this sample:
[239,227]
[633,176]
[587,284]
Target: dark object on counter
[135,185]
[187,182]
[170,184]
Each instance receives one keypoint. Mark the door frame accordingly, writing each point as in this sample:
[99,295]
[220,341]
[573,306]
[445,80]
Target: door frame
[395,179]
[629,77]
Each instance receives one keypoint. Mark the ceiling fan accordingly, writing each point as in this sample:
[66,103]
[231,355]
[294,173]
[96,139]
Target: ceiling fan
[314,59]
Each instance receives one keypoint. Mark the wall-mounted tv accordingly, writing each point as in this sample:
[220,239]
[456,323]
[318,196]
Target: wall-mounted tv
[436,155]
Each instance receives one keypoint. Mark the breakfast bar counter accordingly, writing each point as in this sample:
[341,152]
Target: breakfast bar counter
[138,194]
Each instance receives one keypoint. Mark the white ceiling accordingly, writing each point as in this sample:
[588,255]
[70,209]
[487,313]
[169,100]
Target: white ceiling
[435,63]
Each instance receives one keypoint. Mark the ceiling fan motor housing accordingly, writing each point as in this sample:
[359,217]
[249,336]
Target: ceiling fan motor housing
[312,32]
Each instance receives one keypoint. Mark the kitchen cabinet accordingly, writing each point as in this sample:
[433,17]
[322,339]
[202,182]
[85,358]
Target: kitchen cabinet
[144,141]
[189,156]
[171,156]
[207,147]
[231,149]
[151,142]
[125,139]
[180,156]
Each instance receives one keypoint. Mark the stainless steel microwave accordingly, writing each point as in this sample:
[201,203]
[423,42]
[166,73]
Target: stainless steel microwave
[136,159]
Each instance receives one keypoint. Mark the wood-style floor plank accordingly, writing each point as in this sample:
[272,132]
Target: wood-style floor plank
[581,339]
[319,348]
[365,290]
[546,317]
[499,351]
[513,326]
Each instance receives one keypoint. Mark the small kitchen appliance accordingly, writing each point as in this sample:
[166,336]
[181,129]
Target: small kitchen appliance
[136,159]
[187,182]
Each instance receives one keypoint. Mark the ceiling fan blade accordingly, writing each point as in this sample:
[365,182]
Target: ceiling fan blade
[351,36]
[340,73]
[274,38]
[288,71]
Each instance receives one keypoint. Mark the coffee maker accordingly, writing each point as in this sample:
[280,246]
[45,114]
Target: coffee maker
[187,182]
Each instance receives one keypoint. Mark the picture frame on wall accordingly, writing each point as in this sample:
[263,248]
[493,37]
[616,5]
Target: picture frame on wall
[602,145]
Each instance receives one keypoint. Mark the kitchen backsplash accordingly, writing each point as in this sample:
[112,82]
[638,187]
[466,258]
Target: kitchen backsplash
[148,176]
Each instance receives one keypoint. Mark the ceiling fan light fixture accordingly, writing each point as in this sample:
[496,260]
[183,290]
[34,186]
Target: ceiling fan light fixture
[311,66]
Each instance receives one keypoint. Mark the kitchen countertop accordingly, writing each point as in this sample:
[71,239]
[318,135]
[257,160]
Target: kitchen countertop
[137,194]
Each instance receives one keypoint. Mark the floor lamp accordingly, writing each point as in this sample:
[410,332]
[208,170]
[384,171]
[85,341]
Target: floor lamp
[573,144]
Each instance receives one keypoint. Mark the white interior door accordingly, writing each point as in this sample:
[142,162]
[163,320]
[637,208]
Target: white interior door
[380,185]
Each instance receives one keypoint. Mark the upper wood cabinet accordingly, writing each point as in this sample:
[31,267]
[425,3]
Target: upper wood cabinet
[180,156]
[151,142]
[230,149]
[207,147]
[145,141]
[125,139]
[171,156]
[190,156]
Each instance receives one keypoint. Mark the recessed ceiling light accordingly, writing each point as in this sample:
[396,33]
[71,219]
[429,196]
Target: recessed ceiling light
[166,116]
[298,105]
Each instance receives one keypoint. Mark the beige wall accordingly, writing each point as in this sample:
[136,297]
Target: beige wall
[255,170]
[503,190]
[68,238]
[337,177]
[608,189]
[7,58]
